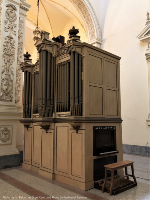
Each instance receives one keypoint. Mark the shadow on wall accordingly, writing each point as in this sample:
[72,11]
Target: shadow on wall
[103,10]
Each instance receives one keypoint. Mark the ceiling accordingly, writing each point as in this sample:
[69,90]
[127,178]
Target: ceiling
[55,17]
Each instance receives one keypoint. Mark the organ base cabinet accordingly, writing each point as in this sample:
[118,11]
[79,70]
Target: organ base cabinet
[71,111]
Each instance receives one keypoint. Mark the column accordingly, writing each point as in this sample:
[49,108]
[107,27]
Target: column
[12,22]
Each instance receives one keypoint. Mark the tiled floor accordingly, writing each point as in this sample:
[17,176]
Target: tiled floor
[17,183]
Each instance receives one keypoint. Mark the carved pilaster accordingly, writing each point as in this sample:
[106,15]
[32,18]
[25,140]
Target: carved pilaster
[20,50]
[12,22]
[144,36]
[24,7]
[12,26]
[8,51]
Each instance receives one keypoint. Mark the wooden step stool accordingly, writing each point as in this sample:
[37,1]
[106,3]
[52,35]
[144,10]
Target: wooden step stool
[115,166]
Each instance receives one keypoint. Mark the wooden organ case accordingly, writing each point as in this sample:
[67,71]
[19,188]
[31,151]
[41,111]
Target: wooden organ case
[71,93]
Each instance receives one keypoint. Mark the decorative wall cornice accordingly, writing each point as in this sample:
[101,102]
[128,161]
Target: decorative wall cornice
[24,6]
[12,1]
[144,36]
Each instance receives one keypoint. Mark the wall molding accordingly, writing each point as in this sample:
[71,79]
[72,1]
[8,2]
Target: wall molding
[136,150]
[8,161]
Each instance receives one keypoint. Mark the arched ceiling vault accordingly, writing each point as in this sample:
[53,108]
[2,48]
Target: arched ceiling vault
[54,15]
[58,16]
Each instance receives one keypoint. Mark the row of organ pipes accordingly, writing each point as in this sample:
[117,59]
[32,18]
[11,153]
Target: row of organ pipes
[54,87]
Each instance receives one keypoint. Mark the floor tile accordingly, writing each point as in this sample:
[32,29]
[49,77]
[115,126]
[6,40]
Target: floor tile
[42,185]
[8,191]
[140,192]
[23,183]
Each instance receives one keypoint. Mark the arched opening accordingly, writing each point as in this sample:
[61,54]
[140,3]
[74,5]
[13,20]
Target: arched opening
[57,17]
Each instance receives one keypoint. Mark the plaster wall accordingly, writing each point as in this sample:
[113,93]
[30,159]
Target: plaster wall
[121,21]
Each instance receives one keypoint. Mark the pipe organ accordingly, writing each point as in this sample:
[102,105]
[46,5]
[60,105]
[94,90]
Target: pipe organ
[71,91]
[45,84]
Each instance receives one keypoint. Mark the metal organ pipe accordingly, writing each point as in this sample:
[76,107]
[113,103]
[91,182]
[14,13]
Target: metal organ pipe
[44,83]
[72,83]
[41,83]
[48,83]
[53,63]
[27,95]
[30,93]
[69,86]
[24,94]
[80,85]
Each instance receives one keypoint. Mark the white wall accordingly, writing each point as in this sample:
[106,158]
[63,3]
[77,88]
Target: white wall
[121,21]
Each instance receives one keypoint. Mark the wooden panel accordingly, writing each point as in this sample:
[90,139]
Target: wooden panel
[95,69]
[110,74]
[27,146]
[77,154]
[37,145]
[95,100]
[47,149]
[62,149]
[111,102]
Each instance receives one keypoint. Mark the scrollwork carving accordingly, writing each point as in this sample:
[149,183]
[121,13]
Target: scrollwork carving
[11,17]
[75,126]
[63,50]
[19,60]
[7,73]
[91,22]
[36,68]
[79,4]
[6,134]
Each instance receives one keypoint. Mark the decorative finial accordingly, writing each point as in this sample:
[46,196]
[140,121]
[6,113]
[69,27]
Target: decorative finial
[27,56]
[73,34]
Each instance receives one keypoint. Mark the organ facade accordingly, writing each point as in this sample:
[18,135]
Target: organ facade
[71,110]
